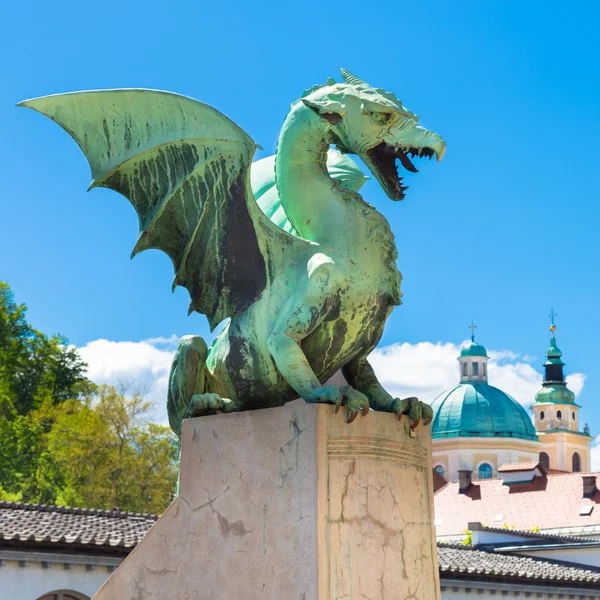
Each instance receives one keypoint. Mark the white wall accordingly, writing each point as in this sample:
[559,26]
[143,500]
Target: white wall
[464,458]
[23,576]
[585,556]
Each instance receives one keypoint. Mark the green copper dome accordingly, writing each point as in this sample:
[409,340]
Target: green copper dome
[555,394]
[553,354]
[473,349]
[477,409]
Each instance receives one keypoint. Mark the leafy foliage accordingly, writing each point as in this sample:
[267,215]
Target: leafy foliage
[63,439]
[109,454]
[35,369]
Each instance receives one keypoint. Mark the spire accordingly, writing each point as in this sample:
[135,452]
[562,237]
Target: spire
[554,388]
[472,327]
[552,316]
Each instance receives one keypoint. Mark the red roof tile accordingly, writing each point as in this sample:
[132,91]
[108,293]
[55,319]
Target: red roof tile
[547,502]
[438,481]
[518,467]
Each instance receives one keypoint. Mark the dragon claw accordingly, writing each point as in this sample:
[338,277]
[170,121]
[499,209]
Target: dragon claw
[206,404]
[355,402]
[418,411]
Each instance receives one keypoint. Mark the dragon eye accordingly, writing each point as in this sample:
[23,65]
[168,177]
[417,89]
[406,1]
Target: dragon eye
[381,118]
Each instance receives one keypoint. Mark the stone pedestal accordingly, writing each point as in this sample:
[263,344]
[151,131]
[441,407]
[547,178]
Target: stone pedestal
[292,503]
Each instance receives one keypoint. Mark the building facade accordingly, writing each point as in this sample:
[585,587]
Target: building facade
[477,427]
[565,446]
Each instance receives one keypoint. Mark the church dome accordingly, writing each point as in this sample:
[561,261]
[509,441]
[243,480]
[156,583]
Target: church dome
[477,409]
[472,348]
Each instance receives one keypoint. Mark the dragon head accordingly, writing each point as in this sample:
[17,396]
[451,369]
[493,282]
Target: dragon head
[374,124]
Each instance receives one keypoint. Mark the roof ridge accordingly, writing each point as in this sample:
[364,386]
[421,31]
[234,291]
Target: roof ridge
[537,534]
[76,510]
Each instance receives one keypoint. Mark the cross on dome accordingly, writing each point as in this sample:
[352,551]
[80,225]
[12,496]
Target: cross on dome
[472,327]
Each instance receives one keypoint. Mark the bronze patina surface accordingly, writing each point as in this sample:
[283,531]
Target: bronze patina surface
[307,279]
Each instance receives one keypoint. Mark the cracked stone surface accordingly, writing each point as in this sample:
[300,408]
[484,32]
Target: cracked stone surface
[291,503]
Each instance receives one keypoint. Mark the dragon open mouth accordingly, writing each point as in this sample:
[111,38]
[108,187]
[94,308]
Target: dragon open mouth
[382,161]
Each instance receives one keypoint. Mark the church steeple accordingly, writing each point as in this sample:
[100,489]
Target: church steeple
[553,367]
[554,388]
[556,416]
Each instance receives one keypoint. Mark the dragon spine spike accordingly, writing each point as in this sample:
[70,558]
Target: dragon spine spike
[351,79]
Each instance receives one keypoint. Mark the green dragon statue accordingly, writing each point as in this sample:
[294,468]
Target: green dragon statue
[307,279]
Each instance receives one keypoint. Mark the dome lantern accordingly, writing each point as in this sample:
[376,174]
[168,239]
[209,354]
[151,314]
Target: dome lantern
[473,360]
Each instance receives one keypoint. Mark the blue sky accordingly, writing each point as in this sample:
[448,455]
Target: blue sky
[502,229]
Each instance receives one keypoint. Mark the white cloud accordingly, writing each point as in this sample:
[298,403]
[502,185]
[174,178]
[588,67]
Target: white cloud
[144,365]
[424,369]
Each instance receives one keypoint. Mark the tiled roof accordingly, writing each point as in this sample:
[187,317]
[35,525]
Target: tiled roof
[462,562]
[551,502]
[438,481]
[518,467]
[68,528]
[563,539]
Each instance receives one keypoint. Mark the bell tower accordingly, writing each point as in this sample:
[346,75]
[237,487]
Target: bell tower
[556,416]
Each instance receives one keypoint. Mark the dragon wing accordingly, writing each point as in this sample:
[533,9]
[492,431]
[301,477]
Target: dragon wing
[339,166]
[185,168]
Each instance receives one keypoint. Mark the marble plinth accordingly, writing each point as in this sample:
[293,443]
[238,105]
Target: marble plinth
[292,503]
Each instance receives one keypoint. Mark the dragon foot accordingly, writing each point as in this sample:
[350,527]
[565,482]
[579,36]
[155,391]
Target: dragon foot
[354,401]
[208,404]
[418,411]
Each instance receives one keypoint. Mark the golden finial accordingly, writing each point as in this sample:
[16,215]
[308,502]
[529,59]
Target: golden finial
[552,315]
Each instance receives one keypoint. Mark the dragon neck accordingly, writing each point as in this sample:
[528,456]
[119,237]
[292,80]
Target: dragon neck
[313,202]
[320,210]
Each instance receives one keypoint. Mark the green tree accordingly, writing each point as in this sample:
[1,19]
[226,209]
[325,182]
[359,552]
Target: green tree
[62,439]
[107,453]
[35,369]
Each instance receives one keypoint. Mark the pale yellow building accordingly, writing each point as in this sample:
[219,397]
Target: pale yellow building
[477,427]
[565,446]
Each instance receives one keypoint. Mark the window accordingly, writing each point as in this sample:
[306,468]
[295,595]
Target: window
[475,368]
[544,460]
[542,415]
[465,366]
[484,367]
[576,462]
[573,415]
[485,471]
[63,596]
[559,415]
[439,469]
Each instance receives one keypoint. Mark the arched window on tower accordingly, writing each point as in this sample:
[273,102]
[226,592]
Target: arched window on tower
[544,460]
[464,371]
[475,369]
[485,471]
[542,415]
[440,469]
[576,462]
[559,415]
